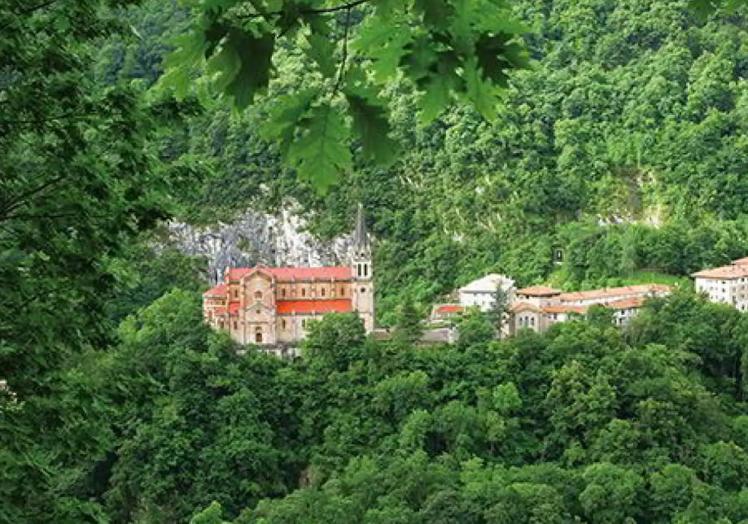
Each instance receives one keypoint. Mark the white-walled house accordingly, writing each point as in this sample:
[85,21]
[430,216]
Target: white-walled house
[725,284]
[481,293]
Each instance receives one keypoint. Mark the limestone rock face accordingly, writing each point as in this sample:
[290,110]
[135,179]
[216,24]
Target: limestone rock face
[258,239]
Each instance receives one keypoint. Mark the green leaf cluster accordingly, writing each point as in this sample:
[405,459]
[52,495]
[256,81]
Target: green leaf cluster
[448,49]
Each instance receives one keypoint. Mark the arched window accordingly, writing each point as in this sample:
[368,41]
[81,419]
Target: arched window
[366,270]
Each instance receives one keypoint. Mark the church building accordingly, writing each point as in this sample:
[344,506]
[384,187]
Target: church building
[273,305]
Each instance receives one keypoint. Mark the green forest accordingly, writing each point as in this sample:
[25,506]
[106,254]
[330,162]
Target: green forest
[480,136]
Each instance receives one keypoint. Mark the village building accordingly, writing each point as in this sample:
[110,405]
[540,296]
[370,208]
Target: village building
[481,293]
[445,312]
[538,307]
[273,306]
[725,284]
[536,295]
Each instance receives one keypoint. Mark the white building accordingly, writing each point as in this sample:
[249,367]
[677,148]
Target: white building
[725,284]
[482,292]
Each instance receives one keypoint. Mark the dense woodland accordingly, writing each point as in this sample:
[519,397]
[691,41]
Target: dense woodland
[620,136]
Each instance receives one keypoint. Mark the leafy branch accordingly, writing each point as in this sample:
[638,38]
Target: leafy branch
[315,11]
[450,50]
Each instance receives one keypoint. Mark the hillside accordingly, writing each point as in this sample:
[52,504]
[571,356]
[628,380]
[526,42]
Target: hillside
[625,145]
[622,145]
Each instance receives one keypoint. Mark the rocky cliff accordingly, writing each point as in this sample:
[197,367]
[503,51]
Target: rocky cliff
[258,238]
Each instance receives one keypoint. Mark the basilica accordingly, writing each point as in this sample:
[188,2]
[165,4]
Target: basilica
[272,306]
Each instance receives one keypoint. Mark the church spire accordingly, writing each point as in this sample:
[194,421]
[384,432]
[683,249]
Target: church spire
[360,235]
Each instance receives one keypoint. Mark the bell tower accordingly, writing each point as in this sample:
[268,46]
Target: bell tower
[363,272]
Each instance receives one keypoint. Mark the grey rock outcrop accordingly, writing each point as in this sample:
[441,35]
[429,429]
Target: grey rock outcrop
[258,238]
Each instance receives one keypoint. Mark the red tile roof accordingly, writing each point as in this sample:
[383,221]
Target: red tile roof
[523,306]
[233,308]
[449,308]
[724,272]
[595,294]
[217,291]
[286,307]
[538,291]
[285,274]
[627,303]
[563,308]
[741,261]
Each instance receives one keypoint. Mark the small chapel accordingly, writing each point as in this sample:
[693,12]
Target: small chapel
[271,306]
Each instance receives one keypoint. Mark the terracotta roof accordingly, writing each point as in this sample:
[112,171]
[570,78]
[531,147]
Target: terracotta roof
[523,306]
[741,261]
[219,310]
[217,291]
[627,303]
[642,289]
[564,308]
[286,307]
[233,308]
[449,308]
[724,272]
[284,274]
[538,291]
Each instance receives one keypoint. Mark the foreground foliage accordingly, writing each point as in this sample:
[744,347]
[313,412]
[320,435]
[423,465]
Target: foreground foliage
[447,49]
[584,422]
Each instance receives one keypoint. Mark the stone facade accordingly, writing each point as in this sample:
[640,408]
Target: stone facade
[725,284]
[273,306]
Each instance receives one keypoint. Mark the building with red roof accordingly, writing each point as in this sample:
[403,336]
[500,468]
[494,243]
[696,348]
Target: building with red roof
[441,312]
[725,284]
[540,307]
[274,305]
[537,308]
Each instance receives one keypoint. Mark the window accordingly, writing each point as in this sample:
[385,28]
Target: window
[283,323]
[363,290]
[303,292]
[283,292]
[322,292]
[236,293]
[342,291]
[258,295]
[258,311]
[236,324]
[366,270]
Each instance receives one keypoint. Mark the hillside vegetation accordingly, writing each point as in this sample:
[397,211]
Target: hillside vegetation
[624,144]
